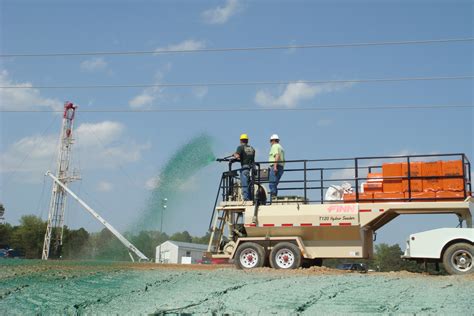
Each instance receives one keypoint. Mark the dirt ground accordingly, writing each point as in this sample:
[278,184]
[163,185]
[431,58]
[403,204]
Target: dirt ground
[68,287]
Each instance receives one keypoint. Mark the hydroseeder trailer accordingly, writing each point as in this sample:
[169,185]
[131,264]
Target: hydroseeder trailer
[334,207]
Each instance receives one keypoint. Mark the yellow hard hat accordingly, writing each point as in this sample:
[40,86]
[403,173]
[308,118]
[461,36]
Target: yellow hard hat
[244,136]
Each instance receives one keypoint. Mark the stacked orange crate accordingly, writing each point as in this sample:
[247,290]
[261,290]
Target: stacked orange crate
[416,185]
[422,196]
[365,197]
[449,195]
[392,183]
[381,196]
[374,183]
[432,169]
[394,171]
[452,187]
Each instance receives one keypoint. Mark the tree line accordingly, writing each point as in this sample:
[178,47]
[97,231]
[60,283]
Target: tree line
[28,236]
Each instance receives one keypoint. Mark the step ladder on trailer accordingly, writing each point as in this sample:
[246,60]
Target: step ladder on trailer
[224,218]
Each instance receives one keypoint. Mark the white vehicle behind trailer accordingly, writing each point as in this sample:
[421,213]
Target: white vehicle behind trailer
[452,246]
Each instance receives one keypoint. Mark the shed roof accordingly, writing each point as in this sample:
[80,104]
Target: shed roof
[181,244]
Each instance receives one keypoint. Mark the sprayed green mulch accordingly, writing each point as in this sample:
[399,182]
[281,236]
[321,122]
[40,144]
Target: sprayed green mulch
[94,287]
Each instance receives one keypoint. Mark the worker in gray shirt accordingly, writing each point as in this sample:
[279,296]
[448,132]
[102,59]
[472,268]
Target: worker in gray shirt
[246,155]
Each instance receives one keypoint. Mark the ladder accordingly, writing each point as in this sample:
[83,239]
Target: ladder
[217,230]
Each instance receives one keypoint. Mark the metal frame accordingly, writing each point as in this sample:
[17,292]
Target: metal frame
[131,248]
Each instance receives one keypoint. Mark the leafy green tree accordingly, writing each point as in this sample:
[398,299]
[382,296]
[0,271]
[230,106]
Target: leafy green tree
[387,257]
[29,236]
[106,246]
[6,231]
[203,239]
[75,243]
[183,236]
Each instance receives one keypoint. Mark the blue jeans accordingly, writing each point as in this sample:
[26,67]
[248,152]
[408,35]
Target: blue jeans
[245,182]
[274,179]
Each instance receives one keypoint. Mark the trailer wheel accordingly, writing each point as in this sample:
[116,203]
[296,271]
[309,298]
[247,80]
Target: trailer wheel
[459,259]
[285,255]
[250,255]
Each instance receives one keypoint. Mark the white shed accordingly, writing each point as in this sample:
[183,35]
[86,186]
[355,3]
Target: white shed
[173,252]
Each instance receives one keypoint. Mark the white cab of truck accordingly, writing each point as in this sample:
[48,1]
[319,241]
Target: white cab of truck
[452,246]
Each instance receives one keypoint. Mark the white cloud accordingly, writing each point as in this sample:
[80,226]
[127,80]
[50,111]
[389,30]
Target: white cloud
[189,44]
[221,14]
[23,99]
[296,92]
[144,99]
[152,183]
[97,146]
[149,96]
[94,64]
[106,131]
[105,145]
[29,154]
[104,186]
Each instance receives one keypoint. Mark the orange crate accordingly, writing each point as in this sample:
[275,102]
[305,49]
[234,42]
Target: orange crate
[452,168]
[373,187]
[366,196]
[363,197]
[392,186]
[375,177]
[453,185]
[450,195]
[388,196]
[416,185]
[392,170]
[419,196]
[432,169]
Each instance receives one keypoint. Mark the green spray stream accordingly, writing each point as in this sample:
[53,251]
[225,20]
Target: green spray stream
[186,162]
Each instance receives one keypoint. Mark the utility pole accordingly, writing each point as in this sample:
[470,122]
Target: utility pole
[163,208]
[53,238]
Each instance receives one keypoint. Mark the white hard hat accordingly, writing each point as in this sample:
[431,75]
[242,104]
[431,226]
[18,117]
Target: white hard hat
[274,136]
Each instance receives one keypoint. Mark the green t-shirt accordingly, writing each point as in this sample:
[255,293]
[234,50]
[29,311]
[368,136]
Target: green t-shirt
[277,149]
[247,154]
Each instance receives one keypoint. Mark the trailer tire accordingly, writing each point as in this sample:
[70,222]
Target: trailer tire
[285,255]
[249,255]
[459,259]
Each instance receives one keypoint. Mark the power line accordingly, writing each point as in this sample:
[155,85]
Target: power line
[239,49]
[237,109]
[245,83]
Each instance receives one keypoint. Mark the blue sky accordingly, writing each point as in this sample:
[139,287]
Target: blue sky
[119,154]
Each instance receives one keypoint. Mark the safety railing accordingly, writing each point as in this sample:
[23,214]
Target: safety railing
[420,178]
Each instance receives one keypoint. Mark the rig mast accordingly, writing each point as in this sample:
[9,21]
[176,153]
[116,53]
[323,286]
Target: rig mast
[53,238]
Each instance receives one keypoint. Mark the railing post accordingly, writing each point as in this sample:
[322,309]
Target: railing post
[464,177]
[305,193]
[322,185]
[409,178]
[469,176]
[356,165]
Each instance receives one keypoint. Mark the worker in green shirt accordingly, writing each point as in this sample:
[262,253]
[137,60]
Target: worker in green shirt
[277,164]
[246,154]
